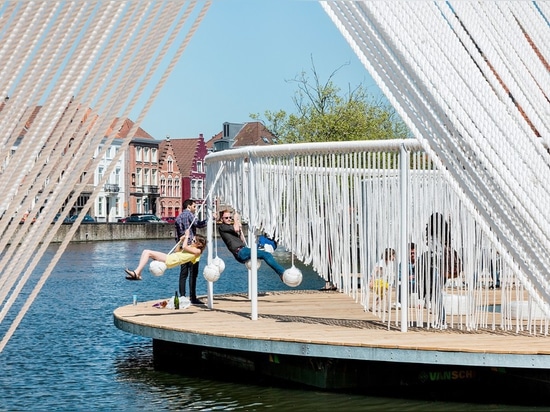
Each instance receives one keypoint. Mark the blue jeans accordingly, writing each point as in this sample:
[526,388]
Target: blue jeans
[244,255]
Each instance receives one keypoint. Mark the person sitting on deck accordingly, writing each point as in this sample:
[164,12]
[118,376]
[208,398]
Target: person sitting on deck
[230,230]
[383,276]
[184,253]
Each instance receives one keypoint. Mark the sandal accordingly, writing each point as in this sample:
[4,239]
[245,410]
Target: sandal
[327,288]
[131,275]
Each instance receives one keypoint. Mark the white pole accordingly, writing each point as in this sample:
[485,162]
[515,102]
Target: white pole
[210,235]
[253,284]
[404,255]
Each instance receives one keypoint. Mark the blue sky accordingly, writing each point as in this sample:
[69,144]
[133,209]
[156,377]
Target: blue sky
[238,60]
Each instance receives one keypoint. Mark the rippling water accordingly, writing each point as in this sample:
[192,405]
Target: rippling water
[67,355]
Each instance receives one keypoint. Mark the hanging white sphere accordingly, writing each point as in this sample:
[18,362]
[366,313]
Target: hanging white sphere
[157,268]
[248,264]
[292,277]
[218,261]
[211,272]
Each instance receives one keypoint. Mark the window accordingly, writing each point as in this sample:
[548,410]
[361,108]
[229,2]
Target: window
[117,176]
[138,177]
[177,188]
[154,155]
[100,206]
[100,173]
[200,192]
[138,154]
[146,180]
[146,157]
[170,188]
[199,167]
[194,189]
[162,186]
[154,177]
[170,164]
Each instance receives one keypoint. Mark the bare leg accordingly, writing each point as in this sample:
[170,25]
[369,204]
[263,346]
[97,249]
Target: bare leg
[144,259]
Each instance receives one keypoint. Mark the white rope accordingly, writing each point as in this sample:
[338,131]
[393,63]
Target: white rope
[88,147]
[399,33]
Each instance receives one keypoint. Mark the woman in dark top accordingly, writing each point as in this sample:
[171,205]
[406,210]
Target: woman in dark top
[230,230]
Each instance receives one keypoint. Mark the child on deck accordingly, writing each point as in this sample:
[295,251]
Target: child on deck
[184,253]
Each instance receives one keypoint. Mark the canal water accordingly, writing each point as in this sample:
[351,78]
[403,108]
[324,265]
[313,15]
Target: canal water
[66,354]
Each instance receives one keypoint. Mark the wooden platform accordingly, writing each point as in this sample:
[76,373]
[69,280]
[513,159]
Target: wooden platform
[328,325]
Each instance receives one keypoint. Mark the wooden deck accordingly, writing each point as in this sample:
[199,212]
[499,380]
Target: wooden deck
[327,324]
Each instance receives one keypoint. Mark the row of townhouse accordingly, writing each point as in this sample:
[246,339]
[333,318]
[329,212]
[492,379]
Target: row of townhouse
[150,176]
[155,176]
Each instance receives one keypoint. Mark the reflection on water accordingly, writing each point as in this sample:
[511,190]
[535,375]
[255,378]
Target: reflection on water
[67,355]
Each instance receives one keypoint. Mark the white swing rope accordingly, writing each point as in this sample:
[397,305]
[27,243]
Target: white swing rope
[44,277]
[85,156]
[201,206]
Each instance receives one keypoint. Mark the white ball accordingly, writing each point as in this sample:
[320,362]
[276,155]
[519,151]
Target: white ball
[248,264]
[211,272]
[292,277]
[218,261]
[157,268]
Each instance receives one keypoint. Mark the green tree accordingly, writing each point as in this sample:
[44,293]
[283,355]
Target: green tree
[325,114]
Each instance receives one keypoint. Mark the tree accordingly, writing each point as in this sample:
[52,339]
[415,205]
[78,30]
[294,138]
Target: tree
[324,114]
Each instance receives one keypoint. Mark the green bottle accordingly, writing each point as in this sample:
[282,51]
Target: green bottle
[176,301]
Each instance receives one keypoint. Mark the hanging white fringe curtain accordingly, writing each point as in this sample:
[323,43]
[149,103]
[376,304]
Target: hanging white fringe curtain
[336,207]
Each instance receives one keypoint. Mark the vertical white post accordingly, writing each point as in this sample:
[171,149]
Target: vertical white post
[209,236]
[404,255]
[253,278]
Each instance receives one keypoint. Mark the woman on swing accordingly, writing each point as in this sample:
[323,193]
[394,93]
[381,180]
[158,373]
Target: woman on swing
[184,253]
[230,230]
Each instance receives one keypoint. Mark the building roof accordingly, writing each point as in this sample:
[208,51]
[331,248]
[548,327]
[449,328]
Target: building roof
[125,129]
[185,152]
[251,134]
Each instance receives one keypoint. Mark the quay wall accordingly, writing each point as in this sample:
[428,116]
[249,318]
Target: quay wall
[87,232]
[121,231]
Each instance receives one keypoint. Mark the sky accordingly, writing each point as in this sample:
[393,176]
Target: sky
[240,61]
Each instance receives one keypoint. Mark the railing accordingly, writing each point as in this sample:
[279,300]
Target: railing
[111,188]
[342,207]
[146,189]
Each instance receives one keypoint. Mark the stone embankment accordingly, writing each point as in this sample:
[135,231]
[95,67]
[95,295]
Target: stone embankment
[116,231]
[120,231]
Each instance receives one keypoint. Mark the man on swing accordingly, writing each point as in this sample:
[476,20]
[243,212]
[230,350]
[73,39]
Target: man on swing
[230,230]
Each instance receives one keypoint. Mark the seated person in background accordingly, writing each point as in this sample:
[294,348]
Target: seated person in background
[383,274]
[232,235]
[184,253]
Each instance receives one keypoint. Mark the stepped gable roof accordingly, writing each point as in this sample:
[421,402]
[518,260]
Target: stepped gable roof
[185,151]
